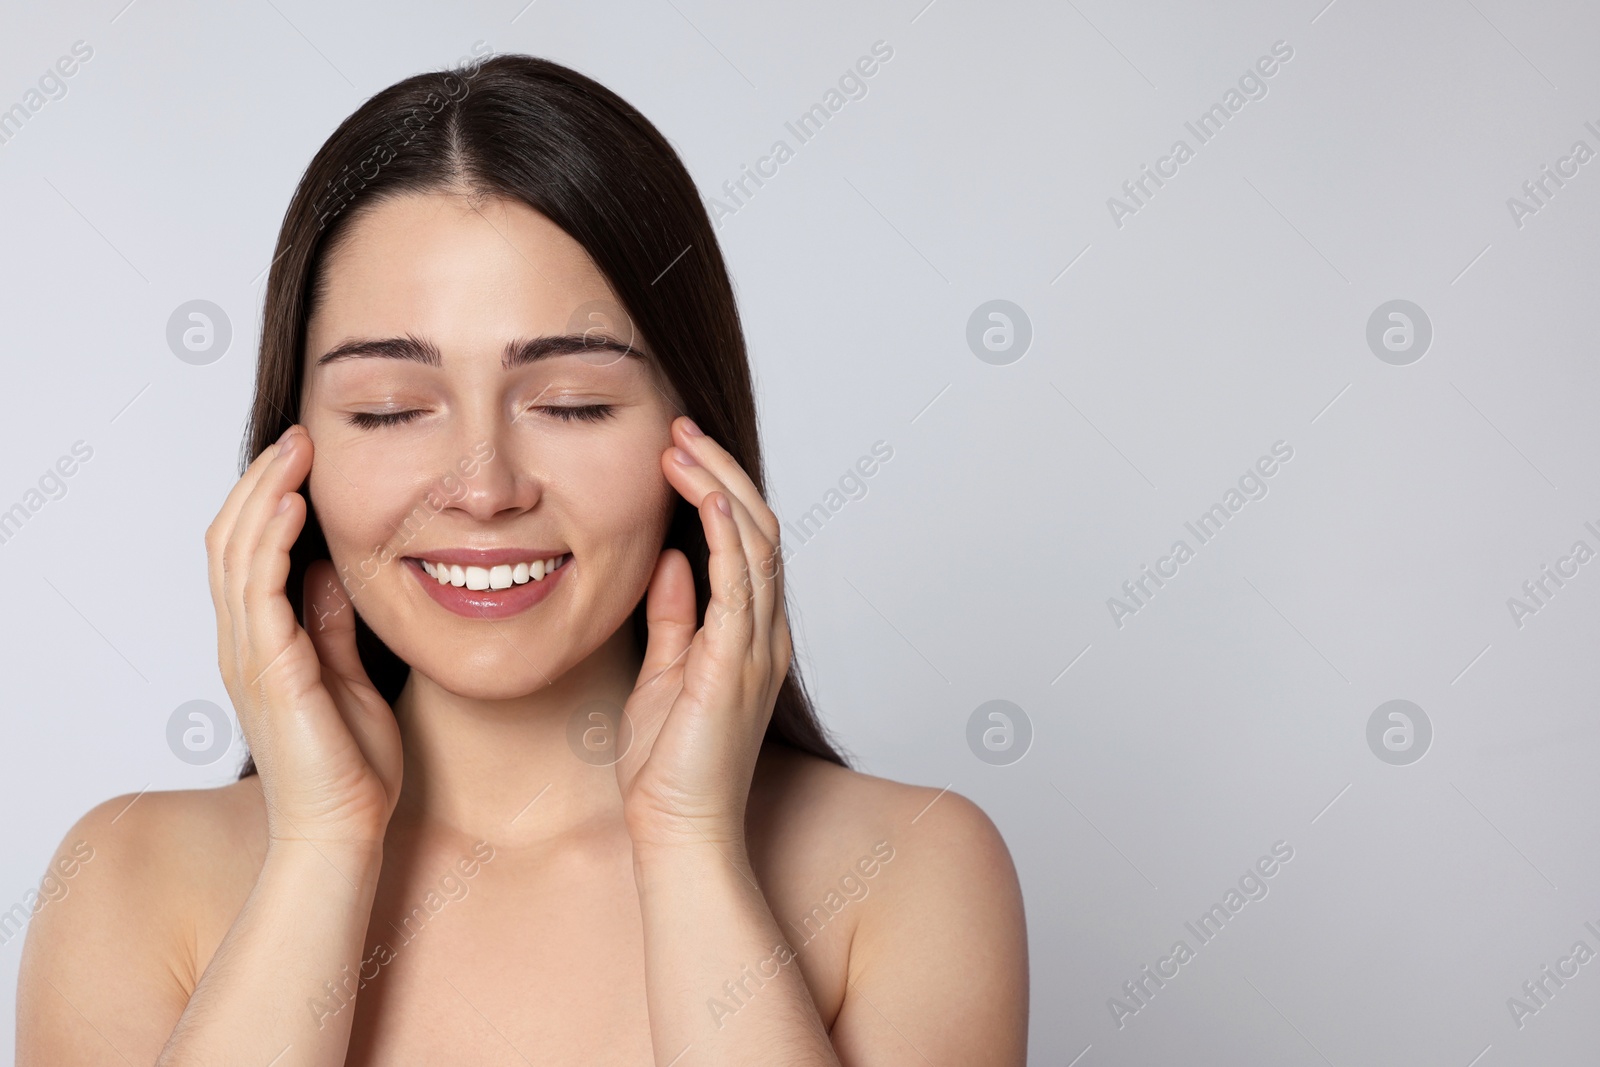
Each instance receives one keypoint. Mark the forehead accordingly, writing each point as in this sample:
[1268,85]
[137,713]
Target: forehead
[457,270]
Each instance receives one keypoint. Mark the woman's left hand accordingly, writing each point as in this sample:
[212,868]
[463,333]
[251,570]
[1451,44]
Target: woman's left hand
[703,698]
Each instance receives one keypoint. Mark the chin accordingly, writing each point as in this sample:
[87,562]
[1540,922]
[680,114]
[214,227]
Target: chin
[494,663]
[503,686]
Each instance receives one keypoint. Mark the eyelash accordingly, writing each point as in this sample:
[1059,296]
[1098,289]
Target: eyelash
[368,420]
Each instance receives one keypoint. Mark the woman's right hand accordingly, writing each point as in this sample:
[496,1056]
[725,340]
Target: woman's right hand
[325,743]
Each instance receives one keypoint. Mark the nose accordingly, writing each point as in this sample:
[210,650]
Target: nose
[489,480]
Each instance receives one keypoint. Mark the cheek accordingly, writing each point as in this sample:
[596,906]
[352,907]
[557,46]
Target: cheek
[359,501]
[620,490]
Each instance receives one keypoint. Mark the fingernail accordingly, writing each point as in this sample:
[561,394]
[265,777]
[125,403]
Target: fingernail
[286,434]
[690,428]
[683,457]
[722,505]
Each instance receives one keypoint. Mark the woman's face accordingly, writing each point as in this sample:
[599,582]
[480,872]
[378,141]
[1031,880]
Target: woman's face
[430,312]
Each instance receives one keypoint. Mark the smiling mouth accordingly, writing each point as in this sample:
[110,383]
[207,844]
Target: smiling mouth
[491,585]
[499,576]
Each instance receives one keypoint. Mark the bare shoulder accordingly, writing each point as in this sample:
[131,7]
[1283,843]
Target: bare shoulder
[126,907]
[938,959]
[182,843]
[815,807]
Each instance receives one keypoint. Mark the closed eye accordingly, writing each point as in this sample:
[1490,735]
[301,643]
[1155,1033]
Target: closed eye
[586,412]
[368,420]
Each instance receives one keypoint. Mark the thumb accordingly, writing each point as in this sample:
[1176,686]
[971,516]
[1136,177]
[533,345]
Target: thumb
[331,622]
[669,611]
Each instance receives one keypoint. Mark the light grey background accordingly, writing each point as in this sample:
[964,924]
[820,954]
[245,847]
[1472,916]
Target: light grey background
[1168,354]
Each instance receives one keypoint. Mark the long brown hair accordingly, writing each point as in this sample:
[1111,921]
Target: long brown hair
[522,128]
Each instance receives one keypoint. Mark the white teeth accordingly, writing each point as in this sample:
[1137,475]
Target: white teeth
[503,576]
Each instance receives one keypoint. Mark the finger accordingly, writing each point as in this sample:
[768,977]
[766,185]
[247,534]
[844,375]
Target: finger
[244,668]
[720,462]
[760,556]
[330,620]
[284,474]
[269,671]
[784,650]
[670,615]
[217,537]
[221,527]
[269,619]
[730,623]
[767,555]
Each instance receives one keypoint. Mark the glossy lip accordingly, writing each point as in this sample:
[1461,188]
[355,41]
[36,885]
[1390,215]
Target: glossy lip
[490,604]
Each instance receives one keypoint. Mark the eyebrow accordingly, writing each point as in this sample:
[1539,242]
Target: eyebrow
[518,353]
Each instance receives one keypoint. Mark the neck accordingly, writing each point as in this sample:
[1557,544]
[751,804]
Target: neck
[503,769]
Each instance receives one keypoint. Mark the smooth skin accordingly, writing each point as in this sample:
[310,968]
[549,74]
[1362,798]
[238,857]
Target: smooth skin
[492,897]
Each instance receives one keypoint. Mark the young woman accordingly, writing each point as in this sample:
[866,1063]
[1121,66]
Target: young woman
[500,607]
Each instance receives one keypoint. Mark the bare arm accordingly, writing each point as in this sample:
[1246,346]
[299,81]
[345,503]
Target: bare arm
[106,967]
[938,964]
[328,751]
[103,973]
[281,986]
[939,961]
[720,976]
